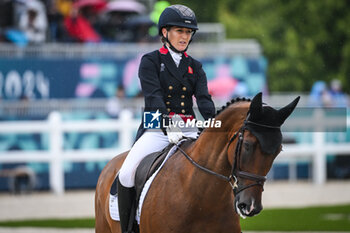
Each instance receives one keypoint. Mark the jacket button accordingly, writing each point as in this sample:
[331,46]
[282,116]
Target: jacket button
[183,111]
[169,96]
[182,104]
[184,89]
[170,87]
[182,96]
[167,102]
[168,109]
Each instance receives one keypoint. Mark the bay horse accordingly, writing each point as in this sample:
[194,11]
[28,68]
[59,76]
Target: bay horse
[207,185]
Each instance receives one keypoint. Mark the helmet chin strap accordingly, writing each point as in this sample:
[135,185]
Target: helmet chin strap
[173,48]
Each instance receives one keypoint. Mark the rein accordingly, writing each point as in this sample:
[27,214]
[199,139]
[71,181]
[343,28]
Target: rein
[236,171]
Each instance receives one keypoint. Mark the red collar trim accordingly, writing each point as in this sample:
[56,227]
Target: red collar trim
[163,50]
[185,118]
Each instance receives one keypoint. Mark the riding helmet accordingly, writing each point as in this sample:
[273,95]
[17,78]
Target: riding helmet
[177,15]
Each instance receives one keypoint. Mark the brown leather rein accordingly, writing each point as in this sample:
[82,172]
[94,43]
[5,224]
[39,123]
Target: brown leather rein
[236,172]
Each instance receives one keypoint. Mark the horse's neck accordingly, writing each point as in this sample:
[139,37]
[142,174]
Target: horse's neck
[211,147]
[210,151]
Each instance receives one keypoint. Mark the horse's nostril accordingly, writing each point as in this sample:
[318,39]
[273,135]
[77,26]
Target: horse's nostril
[242,206]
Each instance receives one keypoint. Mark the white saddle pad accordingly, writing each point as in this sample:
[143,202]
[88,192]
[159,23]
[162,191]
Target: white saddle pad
[113,200]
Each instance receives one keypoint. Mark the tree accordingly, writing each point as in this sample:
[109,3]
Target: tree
[206,10]
[304,41]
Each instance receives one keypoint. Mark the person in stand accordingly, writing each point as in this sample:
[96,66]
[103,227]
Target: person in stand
[33,22]
[80,25]
[338,97]
[169,79]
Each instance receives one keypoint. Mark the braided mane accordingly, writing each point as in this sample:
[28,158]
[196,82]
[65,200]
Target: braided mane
[234,100]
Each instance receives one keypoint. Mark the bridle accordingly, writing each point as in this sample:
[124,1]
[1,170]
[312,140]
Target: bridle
[236,171]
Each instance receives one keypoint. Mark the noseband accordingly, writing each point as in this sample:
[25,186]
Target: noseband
[236,172]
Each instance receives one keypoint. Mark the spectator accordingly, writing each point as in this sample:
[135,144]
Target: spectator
[6,12]
[80,24]
[55,13]
[9,20]
[19,9]
[33,22]
[113,105]
[338,97]
[114,29]
[6,19]
[121,22]
[140,25]
[320,96]
[64,7]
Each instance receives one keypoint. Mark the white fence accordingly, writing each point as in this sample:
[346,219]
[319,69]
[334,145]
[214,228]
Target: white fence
[319,148]
[125,125]
[56,128]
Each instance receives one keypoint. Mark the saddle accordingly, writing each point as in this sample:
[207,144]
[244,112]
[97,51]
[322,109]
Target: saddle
[145,170]
[147,167]
[150,164]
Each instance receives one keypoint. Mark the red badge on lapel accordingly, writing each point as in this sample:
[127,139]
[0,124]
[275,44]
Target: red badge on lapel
[190,70]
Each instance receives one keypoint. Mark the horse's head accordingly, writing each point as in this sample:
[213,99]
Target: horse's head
[258,142]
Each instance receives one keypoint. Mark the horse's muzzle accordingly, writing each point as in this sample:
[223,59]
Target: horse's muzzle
[247,208]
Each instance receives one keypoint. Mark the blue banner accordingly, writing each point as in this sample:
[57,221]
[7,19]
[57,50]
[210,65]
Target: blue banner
[58,78]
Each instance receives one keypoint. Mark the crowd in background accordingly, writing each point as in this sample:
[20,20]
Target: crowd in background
[25,22]
[322,95]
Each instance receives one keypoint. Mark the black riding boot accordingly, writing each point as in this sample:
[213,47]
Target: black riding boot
[126,199]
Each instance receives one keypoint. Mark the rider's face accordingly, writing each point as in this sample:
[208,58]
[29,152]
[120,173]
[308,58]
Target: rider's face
[179,37]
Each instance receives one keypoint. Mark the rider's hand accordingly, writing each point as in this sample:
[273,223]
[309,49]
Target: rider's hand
[174,133]
[174,136]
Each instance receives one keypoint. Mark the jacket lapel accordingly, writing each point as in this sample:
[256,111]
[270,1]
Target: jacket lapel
[170,64]
[183,66]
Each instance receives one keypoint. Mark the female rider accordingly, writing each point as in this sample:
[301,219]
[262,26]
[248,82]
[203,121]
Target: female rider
[169,78]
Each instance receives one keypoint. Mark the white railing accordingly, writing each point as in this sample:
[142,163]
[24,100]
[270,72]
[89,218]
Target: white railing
[234,47]
[317,151]
[56,155]
[126,125]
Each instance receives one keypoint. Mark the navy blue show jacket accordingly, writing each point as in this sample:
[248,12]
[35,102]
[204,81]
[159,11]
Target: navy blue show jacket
[169,88]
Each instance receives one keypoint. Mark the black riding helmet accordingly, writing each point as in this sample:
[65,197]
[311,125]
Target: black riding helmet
[177,15]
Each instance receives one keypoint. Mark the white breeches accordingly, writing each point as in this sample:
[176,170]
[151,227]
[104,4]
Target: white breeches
[150,141]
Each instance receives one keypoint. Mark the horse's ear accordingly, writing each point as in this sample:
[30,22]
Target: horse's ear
[284,112]
[256,105]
